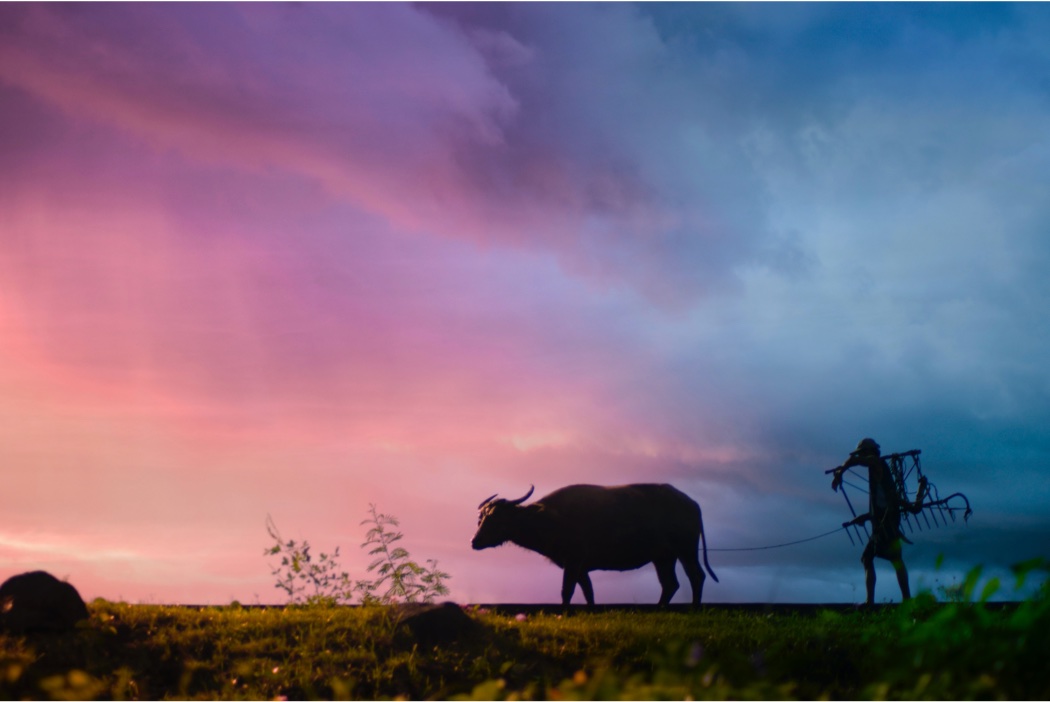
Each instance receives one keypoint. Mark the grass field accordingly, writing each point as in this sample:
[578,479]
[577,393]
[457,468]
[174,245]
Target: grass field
[920,650]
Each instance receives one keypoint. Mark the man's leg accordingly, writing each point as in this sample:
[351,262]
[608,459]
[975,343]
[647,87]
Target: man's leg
[902,570]
[902,579]
[868,559]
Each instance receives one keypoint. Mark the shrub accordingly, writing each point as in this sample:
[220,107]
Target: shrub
[321,581]
[305,580]
[965,648]
[399,577]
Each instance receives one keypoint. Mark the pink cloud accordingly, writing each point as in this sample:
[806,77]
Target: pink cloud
[177,388]
[141,277]
[438,127]
[343,109]
[224,296]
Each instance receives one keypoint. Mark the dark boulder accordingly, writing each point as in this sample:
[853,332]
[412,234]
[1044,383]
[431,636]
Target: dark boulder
[436,623]
[38,601]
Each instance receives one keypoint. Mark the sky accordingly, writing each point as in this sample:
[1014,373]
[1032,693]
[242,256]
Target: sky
[292,260]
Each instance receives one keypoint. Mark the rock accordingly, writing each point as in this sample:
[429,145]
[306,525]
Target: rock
[436,623]
[38,601]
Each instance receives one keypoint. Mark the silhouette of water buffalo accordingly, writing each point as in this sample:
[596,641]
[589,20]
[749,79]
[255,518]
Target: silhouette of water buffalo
[581,528]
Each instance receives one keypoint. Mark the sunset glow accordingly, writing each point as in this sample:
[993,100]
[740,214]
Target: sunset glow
[293,260]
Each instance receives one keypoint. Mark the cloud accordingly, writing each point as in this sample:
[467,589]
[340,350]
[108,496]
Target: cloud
[506,135]
[20,548]
[479,247]
[351,99]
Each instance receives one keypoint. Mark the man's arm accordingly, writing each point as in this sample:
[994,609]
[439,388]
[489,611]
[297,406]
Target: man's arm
[836,480]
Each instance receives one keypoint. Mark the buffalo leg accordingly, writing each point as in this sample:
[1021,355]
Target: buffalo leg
[668,579]
[568,585]
[585,585]
[696,577]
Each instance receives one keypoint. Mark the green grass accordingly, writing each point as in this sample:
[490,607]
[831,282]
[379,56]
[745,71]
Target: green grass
[921,650]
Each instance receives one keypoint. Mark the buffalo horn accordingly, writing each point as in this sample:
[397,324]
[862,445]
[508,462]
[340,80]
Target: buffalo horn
[522,499]
[486,501]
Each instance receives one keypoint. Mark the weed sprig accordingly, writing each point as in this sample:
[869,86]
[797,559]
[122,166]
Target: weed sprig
[321,581]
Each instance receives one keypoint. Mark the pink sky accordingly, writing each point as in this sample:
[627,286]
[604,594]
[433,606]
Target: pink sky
[213,315]
[294,260]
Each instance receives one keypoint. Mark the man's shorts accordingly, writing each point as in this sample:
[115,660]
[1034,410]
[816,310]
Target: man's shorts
[885,539]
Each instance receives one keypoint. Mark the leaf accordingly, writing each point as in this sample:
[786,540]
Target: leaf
[1022,569]
[970,583]
[990,588]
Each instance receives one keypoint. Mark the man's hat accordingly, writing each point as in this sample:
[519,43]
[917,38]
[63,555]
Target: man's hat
[866,446]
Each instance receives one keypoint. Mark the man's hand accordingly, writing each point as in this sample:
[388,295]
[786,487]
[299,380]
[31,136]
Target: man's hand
[837,480]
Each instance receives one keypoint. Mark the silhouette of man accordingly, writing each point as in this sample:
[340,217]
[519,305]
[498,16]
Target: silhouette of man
[884,512]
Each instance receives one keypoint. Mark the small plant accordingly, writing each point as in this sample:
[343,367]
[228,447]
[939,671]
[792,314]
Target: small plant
[399,577]
[966,648]
[308,581]
[954,592]
[320,581]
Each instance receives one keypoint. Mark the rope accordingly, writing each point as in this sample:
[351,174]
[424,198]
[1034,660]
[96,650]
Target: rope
[790,543]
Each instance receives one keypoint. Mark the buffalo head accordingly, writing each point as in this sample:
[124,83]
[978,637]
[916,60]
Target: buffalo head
[496,521]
